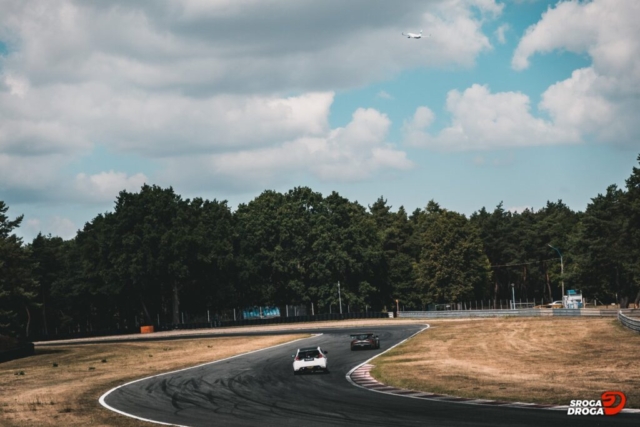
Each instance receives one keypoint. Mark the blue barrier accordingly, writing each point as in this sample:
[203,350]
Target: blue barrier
[260,312]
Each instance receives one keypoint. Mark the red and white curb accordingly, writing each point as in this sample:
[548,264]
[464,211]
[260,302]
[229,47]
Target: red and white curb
[360,376]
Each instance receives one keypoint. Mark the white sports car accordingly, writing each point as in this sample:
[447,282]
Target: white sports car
[310,359]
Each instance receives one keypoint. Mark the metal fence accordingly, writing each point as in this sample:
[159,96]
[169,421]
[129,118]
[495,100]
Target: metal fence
[498,305]
[532,312]
[628,322]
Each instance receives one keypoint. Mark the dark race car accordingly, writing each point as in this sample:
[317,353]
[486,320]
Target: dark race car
[364,340]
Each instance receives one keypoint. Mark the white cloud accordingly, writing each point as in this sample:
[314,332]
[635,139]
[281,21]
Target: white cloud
[481,120]
[68,119]
[194,79]
[384,95]
[55,225]
[21,177]
[17,86]
[62,227]
[353,152]
[32,226]
[500,33]
[602,99]
[562,27]
[105,186]
[495,160]
[479,160]
[576,102]
[44,131]
[237,47]
[414,129]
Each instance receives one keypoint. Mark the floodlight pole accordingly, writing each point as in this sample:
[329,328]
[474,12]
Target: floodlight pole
[339,297]
[561,270]
[513,295]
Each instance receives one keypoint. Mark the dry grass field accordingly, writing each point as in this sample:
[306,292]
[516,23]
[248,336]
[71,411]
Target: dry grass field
[34,392]
[545,360]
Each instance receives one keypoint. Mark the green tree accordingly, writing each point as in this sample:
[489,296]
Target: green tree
[260,273]
[153,256]
[137,269]
[396,276]
[92,291]
[452,266]
[632,232]
[555,225]
[495,230]
[605,246]
[200,246]
[600,260]
[295,247]
[162,247]
[517,247]
[47,257]
[352,251]
[17,285]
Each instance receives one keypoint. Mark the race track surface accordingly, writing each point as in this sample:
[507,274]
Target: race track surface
[259,389]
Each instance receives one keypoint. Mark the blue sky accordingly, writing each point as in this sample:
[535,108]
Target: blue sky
[517,102]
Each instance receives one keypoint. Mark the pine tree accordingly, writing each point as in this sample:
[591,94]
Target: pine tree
[17,286]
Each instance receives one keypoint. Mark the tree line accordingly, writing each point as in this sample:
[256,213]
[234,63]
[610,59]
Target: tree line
[157,255]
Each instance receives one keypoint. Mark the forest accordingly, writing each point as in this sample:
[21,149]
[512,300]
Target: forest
[157,255]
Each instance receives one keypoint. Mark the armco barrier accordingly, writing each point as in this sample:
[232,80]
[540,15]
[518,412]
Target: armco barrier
[628,322]
[453,314]
[530,312]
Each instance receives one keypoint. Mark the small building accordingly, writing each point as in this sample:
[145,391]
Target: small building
[573,299]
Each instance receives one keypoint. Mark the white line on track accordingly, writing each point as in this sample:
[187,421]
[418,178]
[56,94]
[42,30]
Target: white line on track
[103,397]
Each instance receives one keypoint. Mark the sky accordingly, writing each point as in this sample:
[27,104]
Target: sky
[517,102]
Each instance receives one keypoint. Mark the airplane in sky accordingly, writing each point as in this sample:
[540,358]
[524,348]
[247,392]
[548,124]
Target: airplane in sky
[413,35]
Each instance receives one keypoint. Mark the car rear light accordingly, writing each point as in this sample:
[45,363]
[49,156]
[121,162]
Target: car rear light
[320,356]
[297,358]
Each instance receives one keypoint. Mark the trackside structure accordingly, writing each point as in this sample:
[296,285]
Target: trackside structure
[573,299]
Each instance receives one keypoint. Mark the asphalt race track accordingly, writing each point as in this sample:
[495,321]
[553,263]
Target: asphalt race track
[259,389]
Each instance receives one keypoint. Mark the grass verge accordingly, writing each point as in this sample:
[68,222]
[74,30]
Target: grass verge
[61,385]
[527,360]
